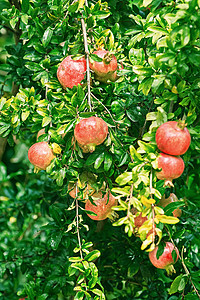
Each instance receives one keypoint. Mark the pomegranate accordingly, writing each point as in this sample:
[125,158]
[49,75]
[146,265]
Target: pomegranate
[173,138]
[104,70]
[40,155]
[172,167]
[71,72]
[101,207]
[165,261]
[91,132]
[172,198]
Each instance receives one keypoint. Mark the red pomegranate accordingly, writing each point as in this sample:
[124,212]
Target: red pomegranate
[40,155]
[104,69]
[173,138]
[165,261]
[71,72]
[172,198]
[101,207]
[172,167]
[91,132]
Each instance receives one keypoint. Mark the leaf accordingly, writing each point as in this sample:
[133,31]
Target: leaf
[146,2]
[46,121]
[25,6]
[175,284]
[75,259]
[147,202]
[134,154]
[4,128]
[25,115]
[145,85]
[99,161]
[92,255]
[124,178]
[47,37]
[107,161]
[167,219]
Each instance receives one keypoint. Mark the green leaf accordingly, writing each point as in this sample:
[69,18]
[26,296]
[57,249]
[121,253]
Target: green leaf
[4,128]
[146,2]
[92,255]
[46,121]
[107,161]
[47,37]
[99,161]
[124,178]
[75,259]
[145,85]
[25,6]
[175,284]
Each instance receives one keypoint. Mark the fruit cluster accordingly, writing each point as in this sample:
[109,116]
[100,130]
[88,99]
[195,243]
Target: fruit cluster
[173,139]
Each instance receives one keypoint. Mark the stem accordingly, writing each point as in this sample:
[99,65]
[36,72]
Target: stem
[152,205]
[77,224]
[87,60]
[104,108]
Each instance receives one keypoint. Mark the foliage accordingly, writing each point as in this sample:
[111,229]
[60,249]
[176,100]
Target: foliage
[49,248]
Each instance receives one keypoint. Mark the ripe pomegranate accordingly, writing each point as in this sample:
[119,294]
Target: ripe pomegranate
[40,155]
[173,138]
[172,167]
[101,207]
[172,198]
[165,261]
[104,69]
[71,72]
[91,132]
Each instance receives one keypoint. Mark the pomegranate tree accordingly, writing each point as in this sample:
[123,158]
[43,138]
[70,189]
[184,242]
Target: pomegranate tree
[102,206]
[165,261]
[172,167]
[173,138]
[90,132]
[71,72]
[40,155]
[172,198]
[105,69]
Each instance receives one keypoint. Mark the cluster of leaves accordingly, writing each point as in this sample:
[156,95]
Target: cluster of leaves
[159,82]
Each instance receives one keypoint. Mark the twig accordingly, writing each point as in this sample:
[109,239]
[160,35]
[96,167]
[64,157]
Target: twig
[87,61]
[104,108]
[77,224]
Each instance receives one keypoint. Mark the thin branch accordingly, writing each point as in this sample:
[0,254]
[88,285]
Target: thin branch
[104,108]
[87,61]
[77,224]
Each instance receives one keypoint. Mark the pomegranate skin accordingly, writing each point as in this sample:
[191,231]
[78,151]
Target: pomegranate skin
[91,132]
[102,208]
[172,167]
[40,155]
[105,68]
[165,260]
[171,139]
[71,72]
